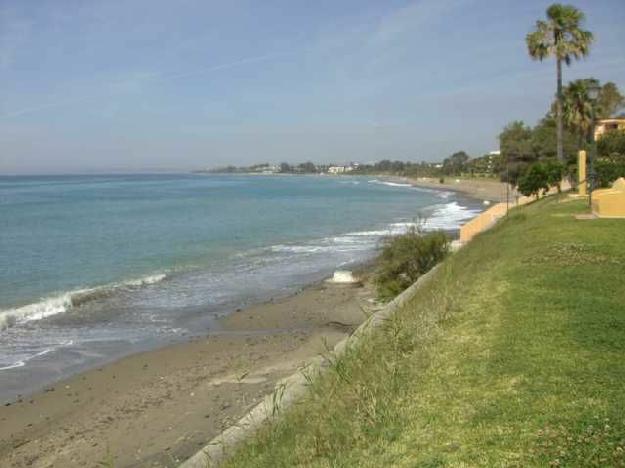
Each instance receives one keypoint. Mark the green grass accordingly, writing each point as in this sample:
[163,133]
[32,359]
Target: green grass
[513,356]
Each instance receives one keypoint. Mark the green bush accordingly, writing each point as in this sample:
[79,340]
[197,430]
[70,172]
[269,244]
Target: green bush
[406,257]
[607,171]
[612,145]
[534,181]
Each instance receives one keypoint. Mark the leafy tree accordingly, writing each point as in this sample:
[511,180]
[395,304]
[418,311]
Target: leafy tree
[307,167]
[607,171]
[612,145]
[561,37]
[554,171]
[610,164]
[544,144]
[534,180]
[610,101]
[515,142]
[286,167]
[456,163]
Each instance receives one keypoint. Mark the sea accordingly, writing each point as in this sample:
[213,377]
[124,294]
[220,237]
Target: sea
[96,267]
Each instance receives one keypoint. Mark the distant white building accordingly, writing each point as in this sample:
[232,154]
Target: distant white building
[336,169]
[342,169]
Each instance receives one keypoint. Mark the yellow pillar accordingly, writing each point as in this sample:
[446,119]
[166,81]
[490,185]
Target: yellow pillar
[581,173]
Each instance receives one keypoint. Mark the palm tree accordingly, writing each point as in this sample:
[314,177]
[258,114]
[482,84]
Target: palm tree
[578,110]
[560,37]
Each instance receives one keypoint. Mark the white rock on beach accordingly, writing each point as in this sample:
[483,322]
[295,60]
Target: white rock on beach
[343,276]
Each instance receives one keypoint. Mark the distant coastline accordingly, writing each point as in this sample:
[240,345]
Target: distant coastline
[478,188]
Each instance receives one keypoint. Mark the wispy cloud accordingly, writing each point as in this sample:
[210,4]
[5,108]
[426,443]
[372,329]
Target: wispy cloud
[136,81]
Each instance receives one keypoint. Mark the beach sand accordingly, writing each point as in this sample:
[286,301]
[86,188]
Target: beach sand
[159,407]
[478,188]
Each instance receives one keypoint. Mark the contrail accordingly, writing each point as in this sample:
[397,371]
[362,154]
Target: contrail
[225,66]
[155,77]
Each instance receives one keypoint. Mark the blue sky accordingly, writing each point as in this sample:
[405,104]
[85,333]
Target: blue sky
[159,84]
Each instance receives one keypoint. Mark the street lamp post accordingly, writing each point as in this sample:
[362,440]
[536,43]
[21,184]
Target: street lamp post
[593,95]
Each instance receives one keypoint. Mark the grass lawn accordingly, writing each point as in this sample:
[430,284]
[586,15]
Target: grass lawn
[513,356]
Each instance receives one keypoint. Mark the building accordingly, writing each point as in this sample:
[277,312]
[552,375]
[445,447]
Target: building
[607,125]
[342,169]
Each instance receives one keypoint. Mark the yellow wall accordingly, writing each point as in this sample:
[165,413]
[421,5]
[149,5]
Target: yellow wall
[610,203]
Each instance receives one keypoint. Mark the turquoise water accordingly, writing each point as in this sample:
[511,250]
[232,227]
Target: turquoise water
[98,266]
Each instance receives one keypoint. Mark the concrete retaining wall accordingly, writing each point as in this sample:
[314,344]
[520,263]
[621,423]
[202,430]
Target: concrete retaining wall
[294,387]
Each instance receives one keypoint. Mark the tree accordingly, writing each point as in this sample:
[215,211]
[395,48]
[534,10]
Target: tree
[610,101]
[612,145]
[561,37]
[544,142]
[534,180]
[515,142]
[554,171]
[578,110]
[455,164]
[307,167]
[286,167]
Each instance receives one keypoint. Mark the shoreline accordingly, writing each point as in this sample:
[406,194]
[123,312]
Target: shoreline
[476,188]
[176,398]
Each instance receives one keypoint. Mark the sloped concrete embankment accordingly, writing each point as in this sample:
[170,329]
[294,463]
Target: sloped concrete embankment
[294,387]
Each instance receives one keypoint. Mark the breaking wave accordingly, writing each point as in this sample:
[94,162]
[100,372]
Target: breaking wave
[390,184]
[447,217]
[63,302]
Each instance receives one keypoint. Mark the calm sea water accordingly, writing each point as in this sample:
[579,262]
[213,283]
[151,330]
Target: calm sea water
[95,267]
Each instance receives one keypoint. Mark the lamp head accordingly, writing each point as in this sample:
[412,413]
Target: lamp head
[593,90]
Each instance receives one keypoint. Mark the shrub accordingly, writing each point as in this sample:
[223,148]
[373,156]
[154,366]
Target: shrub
[612,145]
[607,172]
[534,180]
[554,171]
[406,257]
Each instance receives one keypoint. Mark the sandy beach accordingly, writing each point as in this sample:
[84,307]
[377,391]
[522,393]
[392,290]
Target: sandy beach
[478,188]
[157,408]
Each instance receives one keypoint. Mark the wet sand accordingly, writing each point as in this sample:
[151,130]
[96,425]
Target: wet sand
[157,408]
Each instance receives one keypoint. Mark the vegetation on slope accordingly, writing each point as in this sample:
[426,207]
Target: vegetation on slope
[406,257]
[513,356]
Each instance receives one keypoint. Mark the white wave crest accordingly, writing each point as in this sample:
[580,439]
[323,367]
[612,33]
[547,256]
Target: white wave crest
[390,184]
[37,311]
[61,303]
[449,216]
[152,279]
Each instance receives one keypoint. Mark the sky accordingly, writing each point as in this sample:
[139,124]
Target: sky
[150,85]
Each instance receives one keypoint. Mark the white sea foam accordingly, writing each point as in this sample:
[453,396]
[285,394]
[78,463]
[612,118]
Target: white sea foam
[449,216]
[61,303]
[22,362]
[390,184]
[152,279]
